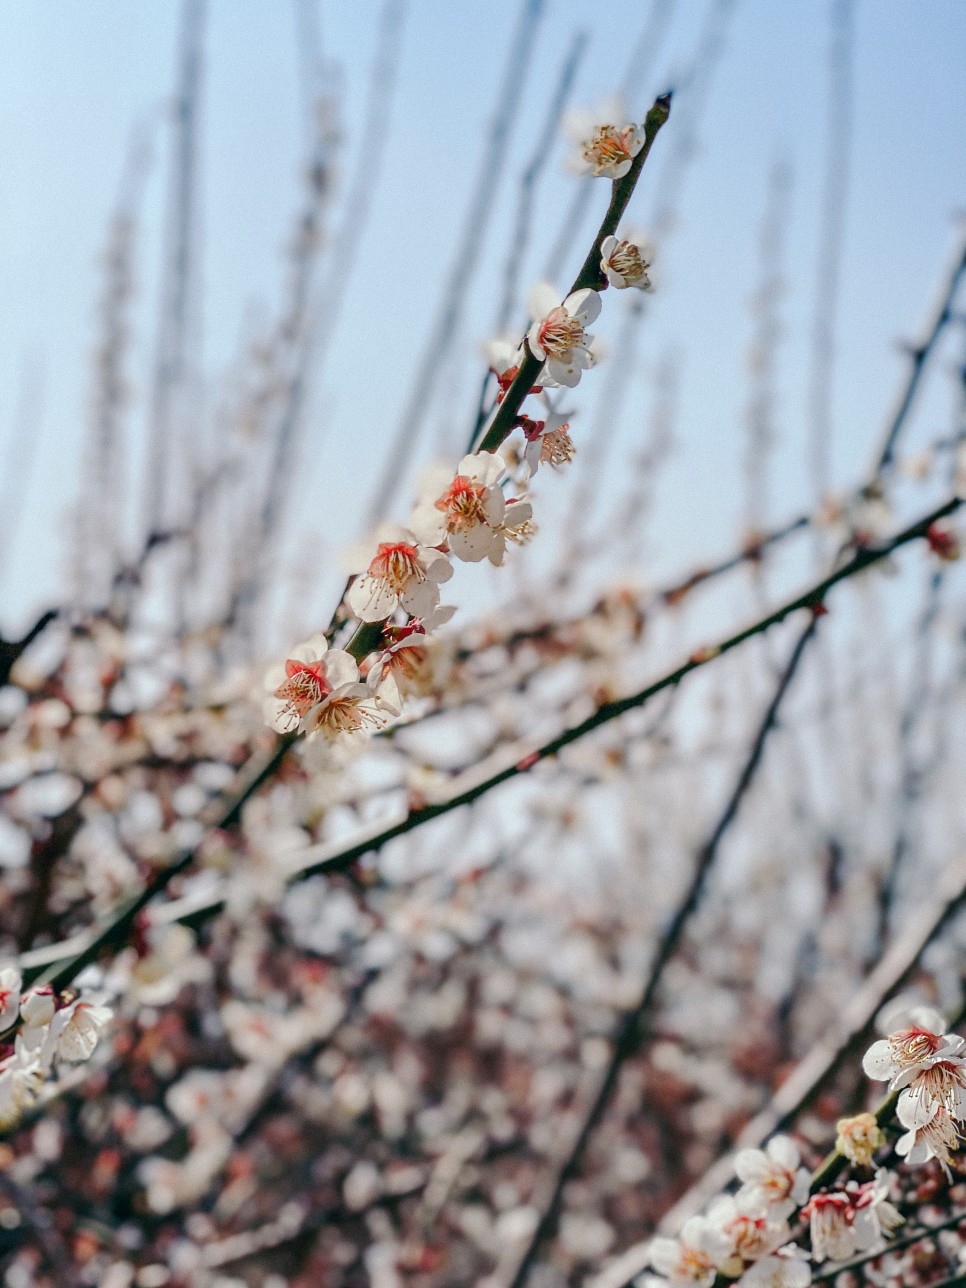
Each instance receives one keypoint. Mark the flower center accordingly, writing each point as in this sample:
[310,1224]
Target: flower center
[694,1262]
[557,447]
[304,687]
[463,502]
[914,1045]
[608,147]
[347,715]
[396,564]
[560,333]
[626,260]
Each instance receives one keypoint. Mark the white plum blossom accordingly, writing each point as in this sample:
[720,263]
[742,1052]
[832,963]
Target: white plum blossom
[401,574]
[548,441]
[468,512]
[693,1259]
[845,1222]
[403,666]
[904,1054]
[558,336]
[929,1067]
[772,1177]
[930,1133]
[625,262]
[317,690]
[751,1233]
[10,984]
[605,150]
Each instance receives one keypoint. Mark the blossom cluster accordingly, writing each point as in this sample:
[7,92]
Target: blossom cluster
[748,1237]
[467,516]
[45,1028]
[928,1066]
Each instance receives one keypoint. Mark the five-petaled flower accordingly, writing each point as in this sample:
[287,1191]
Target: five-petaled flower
[929,1067]
[611,149]
[317,690]
[772,1177]
[548,441]
[854,1219]
[693,1258]
[625,263]
[467,512]
[401,574]
[558,336]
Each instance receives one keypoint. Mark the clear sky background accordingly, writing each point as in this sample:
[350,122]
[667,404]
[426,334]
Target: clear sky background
[76,78]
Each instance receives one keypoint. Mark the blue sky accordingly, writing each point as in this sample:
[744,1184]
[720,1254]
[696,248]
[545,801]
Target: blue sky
[75,79]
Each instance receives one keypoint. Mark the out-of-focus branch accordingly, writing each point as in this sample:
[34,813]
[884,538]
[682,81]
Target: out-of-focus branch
[630,1030]
[443,331]
[340,858]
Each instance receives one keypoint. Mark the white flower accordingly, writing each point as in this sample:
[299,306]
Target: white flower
[852,1220]
[403,574]
[10,983]
[692,1260]
[777,1272]
[405,661]
[318,690]
[751,1234]
[467,512]
[605,150]
[929,1134]
[558,336]
[625,263]
[81,1031]
[929,1065]
[901,1056]
[772,1177]
[548,441]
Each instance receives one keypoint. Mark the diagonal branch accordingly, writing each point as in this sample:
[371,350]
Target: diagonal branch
[477,784]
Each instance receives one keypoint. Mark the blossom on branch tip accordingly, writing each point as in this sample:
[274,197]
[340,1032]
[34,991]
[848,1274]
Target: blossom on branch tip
[558,336]
[625,263]
[607,151]
[401,574]
[467,512]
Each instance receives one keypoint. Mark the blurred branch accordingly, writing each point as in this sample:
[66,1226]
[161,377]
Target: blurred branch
[444,329]
[630,1030]
[834,206]
[339,858]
